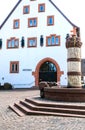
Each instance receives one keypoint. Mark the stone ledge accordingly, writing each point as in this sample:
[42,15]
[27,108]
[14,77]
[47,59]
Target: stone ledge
[65,94]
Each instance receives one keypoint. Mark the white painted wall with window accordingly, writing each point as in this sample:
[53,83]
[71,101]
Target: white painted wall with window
[29,57]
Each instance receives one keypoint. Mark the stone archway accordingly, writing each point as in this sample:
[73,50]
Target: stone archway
[36,73]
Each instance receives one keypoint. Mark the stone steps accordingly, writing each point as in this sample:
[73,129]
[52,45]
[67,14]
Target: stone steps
[33,107]
[16,110]
[54,104]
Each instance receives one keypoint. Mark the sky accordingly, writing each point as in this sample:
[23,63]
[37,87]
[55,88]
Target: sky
[73,9]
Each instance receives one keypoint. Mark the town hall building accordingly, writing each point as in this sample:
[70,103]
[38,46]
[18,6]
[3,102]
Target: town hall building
[32,44]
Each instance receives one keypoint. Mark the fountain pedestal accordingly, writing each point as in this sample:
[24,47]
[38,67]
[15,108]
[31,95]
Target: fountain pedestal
[65,94]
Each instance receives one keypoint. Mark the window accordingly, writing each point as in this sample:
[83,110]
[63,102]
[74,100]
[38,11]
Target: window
[32,22]
[53,40]
[12,43]
[26,9]
[14,67]
[16,24]
[32,42]
[41,8]
[50,20]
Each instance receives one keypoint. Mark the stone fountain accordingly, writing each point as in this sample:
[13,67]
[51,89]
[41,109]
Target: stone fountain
[74,91]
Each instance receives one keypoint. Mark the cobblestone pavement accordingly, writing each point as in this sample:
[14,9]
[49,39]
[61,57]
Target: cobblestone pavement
[10,121]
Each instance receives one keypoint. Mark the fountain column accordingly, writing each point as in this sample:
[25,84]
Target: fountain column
[73,46]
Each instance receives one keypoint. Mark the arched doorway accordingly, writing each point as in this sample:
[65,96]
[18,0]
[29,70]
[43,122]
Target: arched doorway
[39,65]
[48,72]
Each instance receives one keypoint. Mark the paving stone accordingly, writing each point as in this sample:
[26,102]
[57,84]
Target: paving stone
[10,121]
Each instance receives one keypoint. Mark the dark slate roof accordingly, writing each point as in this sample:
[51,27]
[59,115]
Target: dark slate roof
[49,1]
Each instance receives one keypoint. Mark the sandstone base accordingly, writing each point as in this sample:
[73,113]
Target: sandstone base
[65,94]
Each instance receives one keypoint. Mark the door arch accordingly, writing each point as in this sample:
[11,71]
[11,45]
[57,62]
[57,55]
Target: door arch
[48,72]
[36,73]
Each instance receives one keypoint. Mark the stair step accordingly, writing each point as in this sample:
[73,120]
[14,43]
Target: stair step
[16,110]
[21,107]
[52,109]
[30,112]
[45,104]
[32,107]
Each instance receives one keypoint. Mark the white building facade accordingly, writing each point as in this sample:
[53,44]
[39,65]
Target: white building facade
[33,44]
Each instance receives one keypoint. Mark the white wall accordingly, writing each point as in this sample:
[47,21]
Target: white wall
[30,57]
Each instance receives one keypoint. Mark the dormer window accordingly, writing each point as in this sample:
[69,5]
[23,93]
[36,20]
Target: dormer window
[26,9]
[16,24]
[41,8]
[50,20]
